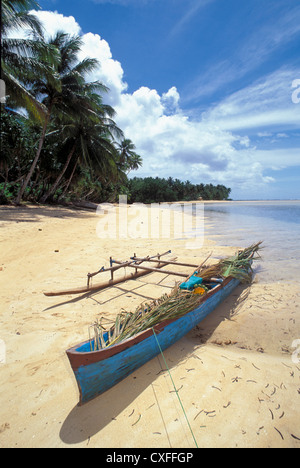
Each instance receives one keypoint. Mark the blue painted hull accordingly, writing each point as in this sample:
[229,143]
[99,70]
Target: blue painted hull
[98,371]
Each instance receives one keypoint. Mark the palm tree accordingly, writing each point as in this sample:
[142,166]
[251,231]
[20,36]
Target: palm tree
[134,162]
[128,159]
[19,57]
[60,87]
[88,138]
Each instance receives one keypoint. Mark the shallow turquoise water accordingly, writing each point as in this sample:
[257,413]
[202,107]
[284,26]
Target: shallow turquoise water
[276,223]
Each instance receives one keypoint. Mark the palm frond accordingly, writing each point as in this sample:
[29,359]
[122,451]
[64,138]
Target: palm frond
[22,97]
[15,15]
[87,65]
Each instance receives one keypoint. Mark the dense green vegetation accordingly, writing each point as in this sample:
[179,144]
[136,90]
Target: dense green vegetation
[67,147]
[152,190]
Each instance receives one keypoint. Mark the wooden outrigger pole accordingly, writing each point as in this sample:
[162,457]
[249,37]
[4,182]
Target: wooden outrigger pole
[166,262]
[125,264]
[175,273]
[150,270]
[140,270]
[112,281]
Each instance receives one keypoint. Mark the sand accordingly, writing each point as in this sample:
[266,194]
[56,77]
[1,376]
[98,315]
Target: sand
[237,373]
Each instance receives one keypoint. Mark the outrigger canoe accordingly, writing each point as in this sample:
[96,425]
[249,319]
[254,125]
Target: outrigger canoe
[98,368]
[96,371]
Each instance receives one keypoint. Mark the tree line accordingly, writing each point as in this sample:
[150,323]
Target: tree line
[66,145]
[155,190]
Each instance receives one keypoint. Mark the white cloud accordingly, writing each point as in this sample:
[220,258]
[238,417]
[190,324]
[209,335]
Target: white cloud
[186,149]
[250,53]
[54,21]
[204,149]
[278,159]
[208,148]
[266,103]
[190,12]
[171,101]
[109,72]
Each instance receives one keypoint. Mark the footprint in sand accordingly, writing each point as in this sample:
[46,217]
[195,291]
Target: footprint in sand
[32,370]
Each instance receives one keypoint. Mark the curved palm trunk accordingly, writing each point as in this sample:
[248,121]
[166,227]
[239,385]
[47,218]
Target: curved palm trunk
[56,183]
[70,179]
[35,161]
[5,180]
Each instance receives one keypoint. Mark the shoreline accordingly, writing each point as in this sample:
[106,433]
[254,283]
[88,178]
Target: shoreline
[234,371]
[90,206]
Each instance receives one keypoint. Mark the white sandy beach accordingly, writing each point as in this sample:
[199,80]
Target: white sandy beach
[234,372]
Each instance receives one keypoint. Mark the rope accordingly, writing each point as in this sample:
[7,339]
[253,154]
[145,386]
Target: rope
[175,388]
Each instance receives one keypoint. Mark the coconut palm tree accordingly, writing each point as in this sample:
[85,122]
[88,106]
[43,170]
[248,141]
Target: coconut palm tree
[61,88]
[128,158]
[20,57]
[87,140]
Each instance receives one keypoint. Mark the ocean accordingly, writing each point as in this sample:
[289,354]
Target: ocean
[276,223]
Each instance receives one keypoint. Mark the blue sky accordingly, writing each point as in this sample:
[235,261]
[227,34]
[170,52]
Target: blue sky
[208,90]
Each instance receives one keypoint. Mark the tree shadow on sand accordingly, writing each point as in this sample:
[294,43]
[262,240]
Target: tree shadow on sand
[85,421]
[35,213]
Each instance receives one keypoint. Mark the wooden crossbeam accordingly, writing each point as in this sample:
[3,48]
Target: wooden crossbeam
[111,282]
[166,272]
